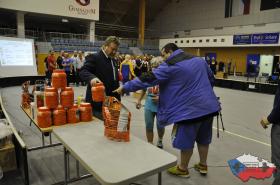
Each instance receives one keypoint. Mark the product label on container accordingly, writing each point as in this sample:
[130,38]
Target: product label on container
[123,121]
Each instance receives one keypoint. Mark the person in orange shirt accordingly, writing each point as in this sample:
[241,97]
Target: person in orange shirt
[51,64]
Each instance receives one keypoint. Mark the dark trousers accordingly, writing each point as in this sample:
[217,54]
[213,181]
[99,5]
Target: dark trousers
[49,76]
[77,78]
[97,109]
[69,77]
[275,151]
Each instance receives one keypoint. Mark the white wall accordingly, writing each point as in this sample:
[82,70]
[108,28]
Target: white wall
[213,41]
[205,17]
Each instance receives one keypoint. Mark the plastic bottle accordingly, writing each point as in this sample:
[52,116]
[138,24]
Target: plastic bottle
[73,115]
[67,97]
[98,92]
[59,116]
[85,112]
[51,97]
[80,99]
[59,79]
[44,117]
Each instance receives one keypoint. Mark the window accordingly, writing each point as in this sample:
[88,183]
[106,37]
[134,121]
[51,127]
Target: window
[176,41]
[214,40]
[193,41]
[200,41]
[222,40]
[269,4]
[182,41]
[207,40]
[238,7]
[188,41]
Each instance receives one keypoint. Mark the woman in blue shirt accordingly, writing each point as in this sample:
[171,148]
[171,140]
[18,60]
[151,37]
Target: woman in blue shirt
[67,64]
[151,104]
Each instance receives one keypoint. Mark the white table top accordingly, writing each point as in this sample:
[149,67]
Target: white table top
[112,162]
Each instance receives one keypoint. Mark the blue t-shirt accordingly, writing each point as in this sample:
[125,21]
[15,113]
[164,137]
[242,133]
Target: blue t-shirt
[150,104]
[67,61]
[125,72]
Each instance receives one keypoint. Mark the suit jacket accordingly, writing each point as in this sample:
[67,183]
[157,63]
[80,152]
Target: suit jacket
[274,116]
[98,65]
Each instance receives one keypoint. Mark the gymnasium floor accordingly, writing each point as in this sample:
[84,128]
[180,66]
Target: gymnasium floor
[241,113]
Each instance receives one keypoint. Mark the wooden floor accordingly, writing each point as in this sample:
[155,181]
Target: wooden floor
[241,112]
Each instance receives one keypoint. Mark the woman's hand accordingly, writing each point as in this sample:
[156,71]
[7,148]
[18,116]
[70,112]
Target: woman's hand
[138,104]
[155,99]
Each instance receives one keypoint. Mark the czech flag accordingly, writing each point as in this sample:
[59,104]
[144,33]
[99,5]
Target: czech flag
[248,166]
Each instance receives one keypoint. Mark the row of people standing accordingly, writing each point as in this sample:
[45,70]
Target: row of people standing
[132,67]
[71,65]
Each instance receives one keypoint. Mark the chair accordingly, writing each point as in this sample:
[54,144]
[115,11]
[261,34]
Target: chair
[263,75]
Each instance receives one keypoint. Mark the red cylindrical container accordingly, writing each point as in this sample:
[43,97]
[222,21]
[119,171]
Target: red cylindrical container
[59,79]
[59,116]
[67,97]
[51,98]
[98,92]
[73,114]
[85,112]
[44,119]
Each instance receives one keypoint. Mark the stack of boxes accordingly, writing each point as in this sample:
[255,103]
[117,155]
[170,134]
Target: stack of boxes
[7,148]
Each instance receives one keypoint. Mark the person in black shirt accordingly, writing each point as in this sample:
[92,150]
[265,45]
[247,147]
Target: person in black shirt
[60,59]
[213,65]
[102,67]
[138,66]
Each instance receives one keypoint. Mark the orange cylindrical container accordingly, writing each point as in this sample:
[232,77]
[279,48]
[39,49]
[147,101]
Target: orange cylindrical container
[67,97]
[98,92]
[73,115]
[85,112]
[59,79]
[44,119]
[51,97]
[25,100]
[59,116]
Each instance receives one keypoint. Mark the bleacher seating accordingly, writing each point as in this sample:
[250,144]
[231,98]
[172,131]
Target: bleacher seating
[151,50]
[70,45]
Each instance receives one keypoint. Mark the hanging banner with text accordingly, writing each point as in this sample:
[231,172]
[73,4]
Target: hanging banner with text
[84,9]
[261,38]
[265,38]
[242,39]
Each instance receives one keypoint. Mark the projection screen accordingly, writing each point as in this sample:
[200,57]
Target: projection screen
[17,57]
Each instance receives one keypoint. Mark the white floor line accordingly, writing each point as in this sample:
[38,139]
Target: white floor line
[244,137]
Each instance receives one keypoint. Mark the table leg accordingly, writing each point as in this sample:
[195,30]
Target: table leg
[68,166]
[50,138]
[78,168]
[43,139]
[65,166]
[159,178]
